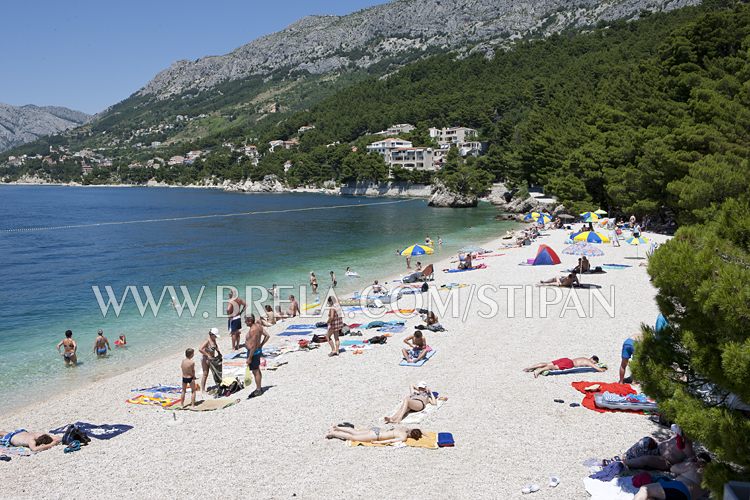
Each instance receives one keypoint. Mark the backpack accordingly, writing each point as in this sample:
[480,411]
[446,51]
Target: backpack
[424,287]
[75,433]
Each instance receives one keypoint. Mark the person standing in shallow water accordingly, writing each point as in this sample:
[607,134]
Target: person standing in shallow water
[333,280]
[70,349]
[314,283]
[101,344]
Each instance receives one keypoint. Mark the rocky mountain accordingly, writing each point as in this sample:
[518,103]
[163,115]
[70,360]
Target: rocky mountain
[323,44]
[22,124]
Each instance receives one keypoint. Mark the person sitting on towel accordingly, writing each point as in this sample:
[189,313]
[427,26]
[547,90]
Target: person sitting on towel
[583,266]
[417,401]
[418,347]
[374,434]
[432,323]
[565,364]
[567,281]
[35,441]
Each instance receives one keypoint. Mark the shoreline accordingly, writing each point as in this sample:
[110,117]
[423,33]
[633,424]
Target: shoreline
[177,354]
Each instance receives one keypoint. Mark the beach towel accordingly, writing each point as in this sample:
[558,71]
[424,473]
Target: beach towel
[145,400]
[392,328]
[616,266]
[428,440]
[581,369]
[619,489]
[589,400]
[160,389]
[289,332]
[15,451]
[401,311]
[478,266]
[451,286]
[209,404]
[421,361]
[103,431]
[300,327]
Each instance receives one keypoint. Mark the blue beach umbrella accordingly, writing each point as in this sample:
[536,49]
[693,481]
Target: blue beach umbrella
[417,250]
[636,241]
[590,236]
[537,217]
[589,217]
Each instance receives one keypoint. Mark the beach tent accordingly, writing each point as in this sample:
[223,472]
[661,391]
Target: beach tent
[545,256]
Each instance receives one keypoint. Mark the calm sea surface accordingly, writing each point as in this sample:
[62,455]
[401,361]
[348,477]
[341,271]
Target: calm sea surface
[88,237]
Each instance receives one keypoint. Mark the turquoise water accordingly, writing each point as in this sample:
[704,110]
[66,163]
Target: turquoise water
[86,237]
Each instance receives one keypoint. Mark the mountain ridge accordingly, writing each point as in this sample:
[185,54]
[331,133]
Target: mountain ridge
[22,124]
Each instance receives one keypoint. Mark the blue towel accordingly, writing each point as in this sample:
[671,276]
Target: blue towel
[104,431]
[300,327]
[392,329]
[289,333]
[421,361]
[580,369]
[445,439]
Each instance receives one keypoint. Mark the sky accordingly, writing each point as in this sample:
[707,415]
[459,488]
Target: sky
[87,55]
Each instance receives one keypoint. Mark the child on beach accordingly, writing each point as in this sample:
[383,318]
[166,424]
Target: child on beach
[188,375]
[121,341]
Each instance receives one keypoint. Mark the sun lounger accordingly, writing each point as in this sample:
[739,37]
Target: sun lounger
[428,273]
[421,361]
[428,440]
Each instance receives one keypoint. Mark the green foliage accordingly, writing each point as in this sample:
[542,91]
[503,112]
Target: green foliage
[463,177]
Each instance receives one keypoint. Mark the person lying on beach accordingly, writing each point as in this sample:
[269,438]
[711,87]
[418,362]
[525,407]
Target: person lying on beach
[374,434]
[647,453]
[685,486]
[565,364]
[293,307]
[418,399]
[270,318]
[188,375]
[101,344]
[121,341]
[35,441]
[566,281]
[418,347]
[70,348]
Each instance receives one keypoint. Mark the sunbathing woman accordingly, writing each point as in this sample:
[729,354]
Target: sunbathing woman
[417,401]
[35,441]
[567,282]
[418,345]
[685,486]
[374,434]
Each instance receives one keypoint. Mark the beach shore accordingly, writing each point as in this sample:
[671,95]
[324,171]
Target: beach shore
[509,432]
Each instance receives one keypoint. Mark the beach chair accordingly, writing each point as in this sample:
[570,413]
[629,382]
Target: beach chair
[428,273]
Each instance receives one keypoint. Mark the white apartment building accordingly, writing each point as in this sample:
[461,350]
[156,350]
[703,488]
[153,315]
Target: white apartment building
[399,128]
[402,153]
[453,135]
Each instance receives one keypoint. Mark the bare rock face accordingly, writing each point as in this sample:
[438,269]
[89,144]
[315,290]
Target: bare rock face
[325,44]
[444,198]
[269,184]
[22,124]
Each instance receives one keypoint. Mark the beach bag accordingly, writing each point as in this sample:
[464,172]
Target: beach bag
[319,339]
[74,433]
[425,287]
[377,339]
[321,324]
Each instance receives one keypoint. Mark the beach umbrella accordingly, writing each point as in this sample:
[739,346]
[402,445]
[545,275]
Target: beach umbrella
[589,217]
[583,248]
[417,250]
[637,241]
[538,217]
[600,212]
[591,237]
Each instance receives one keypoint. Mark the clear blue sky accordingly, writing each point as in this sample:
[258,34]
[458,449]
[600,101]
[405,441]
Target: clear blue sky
[87,54]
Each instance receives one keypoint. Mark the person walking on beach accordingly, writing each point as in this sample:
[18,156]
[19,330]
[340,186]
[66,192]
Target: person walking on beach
[235,308]
[101,344]
[254,341]
[628,349]
[188,375]
[335,324]
[333,280]
[314,283]
[70,349]
[211,353]
[293,307]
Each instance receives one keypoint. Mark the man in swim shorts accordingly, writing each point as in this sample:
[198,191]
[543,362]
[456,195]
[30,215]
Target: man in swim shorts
[235,308]
[628,349]
[35,441]
[70,349]
[101,344]
[565,364]
[255,339]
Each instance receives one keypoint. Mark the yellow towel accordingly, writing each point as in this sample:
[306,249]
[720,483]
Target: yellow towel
[428,440]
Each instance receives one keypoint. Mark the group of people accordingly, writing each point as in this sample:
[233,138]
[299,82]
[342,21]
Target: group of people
[68,347]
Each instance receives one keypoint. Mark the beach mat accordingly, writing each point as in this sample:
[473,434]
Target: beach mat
[15,451]
[421,361]
[589,399]
[145,400]
[102,432]
[580,369]
[209,404]
[428,440]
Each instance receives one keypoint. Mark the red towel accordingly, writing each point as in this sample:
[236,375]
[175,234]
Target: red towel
[588,399]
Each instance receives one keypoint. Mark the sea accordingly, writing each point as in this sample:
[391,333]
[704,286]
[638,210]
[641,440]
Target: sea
[62,247]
